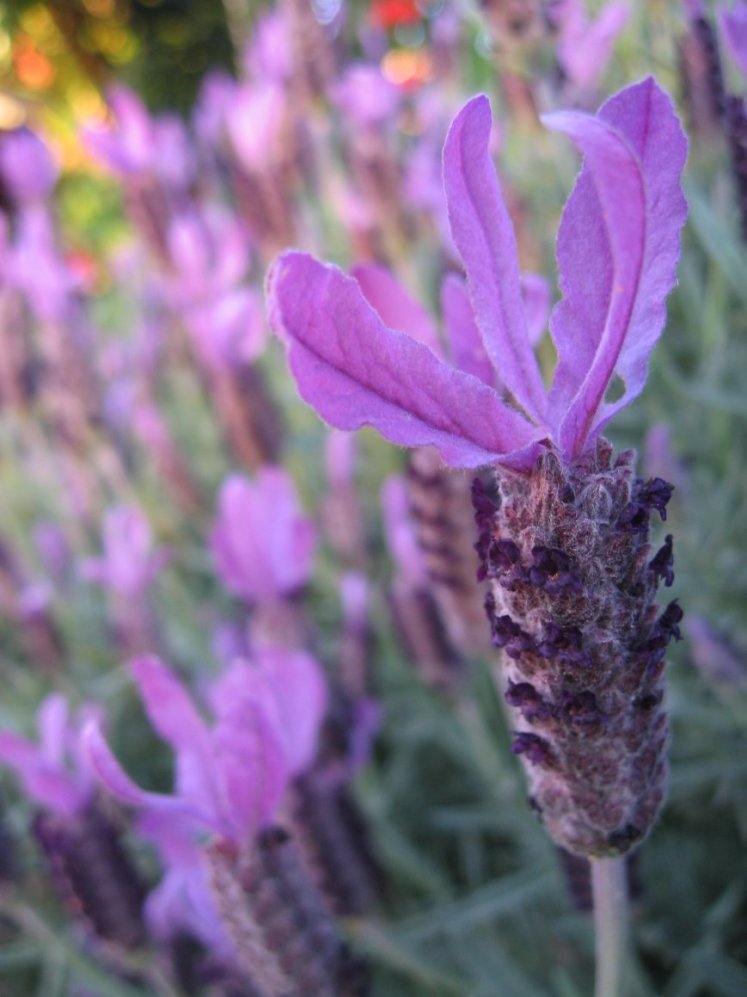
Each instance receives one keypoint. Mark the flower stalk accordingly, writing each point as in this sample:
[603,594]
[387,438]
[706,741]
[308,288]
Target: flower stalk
[609,885]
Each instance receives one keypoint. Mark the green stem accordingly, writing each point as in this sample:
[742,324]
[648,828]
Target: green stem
[609,883]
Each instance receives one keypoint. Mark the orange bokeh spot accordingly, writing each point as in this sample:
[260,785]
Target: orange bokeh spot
[407,68]
[33,69]
[390,13]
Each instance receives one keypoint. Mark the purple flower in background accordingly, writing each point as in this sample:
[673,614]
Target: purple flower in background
[53,549]
[256,120]
[584,47]
[367,96]
[27,168]
[85,855]
[130,563]
[135,143]
[210,255]
[734,27]
[566,548]
[35,267]
[269,52]
[617,249]
[54,772]
[262,543]
[230,777]
[126,145]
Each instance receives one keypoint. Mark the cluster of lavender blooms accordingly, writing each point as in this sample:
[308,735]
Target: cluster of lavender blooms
[156,454]
[564,541]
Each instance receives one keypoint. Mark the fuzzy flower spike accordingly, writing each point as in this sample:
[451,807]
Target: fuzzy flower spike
[566,546]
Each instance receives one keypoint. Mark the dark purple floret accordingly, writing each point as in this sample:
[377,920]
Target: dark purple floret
[669,619]
[662,564]
[506,633]
[648,701]
[651,494]
[525,697]
[551,570]
[535,749]
[635,518]
[502,560]
[485,507]
[655,494]
[504,555]
[581,709]
[565,644]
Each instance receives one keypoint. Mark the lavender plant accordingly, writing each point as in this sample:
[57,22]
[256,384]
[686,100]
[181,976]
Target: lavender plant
[565,542]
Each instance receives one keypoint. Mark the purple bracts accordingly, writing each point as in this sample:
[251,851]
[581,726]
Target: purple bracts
[618,247]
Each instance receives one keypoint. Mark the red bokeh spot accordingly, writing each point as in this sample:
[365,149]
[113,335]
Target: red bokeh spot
[390,13]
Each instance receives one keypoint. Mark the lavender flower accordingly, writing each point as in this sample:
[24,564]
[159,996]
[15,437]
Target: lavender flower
[584,47]
[129,566]
[262,543]
[82,844]
[54,772]
[27,170]
[243,892]
[130,563]
[565,548]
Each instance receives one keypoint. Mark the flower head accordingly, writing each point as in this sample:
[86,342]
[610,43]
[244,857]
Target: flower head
[54,772]
[229,777]
[129,563]
[261,542]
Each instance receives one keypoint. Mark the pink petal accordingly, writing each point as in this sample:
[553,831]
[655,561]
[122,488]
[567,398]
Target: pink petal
[396,307]
[618,247]
[288,536]
[175,719]
[43,782]
[484,236]
[115,779]
[301,698]
[467,348]
[239,559]
[356,372]
[52,723]
[535,291]
[252,765]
